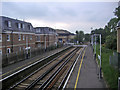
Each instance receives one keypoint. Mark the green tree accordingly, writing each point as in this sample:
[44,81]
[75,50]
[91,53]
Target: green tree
[117,12]
[76,37]
[87,37]
[100,31]
[111,42]
[112,24]
[79,36]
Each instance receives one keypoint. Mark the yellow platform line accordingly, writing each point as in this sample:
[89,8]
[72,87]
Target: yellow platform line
[79,70]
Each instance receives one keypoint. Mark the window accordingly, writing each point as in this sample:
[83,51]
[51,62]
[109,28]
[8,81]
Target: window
[8,50]
[22,26]
[19,37]
[38,38]
[0,37]
[29,27]
[19,26]
[20,49]
[30,37]
[8,37]
[9,23]
[23,37]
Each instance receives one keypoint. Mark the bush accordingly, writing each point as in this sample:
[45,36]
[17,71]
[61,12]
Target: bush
[111,42]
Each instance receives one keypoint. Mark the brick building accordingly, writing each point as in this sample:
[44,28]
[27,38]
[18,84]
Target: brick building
[64,36]
[15,35]
[45,37]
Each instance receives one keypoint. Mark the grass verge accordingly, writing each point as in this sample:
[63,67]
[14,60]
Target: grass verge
[109,72]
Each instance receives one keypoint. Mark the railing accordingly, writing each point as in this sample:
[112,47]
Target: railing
[22,55]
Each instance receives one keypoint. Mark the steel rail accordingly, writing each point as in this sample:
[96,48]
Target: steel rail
[73,65]
[1,80]
[49,80]
[47,72]
[33,73]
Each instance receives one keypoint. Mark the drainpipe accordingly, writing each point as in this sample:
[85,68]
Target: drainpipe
[27,46]
[45,42]
[12,41]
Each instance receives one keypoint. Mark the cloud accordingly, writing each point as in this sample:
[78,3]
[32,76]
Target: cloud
[66,15]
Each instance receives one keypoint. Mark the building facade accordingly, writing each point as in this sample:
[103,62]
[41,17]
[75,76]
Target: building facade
[45,37]
[15,35]
[64,36]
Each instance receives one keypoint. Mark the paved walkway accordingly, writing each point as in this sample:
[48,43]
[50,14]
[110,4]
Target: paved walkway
[17,66]
[87,74]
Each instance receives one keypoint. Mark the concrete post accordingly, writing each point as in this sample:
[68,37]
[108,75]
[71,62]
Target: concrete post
[100,59]
[95,47]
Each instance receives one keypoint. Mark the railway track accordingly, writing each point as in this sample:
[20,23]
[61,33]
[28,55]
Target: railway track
[51,75]
[25,72]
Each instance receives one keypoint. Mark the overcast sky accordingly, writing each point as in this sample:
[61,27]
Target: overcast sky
[71,16]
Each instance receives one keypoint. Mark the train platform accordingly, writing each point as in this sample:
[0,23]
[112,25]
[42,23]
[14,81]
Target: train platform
[84,74]
[19,65]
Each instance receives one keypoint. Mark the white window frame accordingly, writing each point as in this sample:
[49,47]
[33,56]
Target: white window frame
[9,24]
[9,50]
[23,37]
[19,37]
[19,25]
[8,37]
[23,26]
[0,37]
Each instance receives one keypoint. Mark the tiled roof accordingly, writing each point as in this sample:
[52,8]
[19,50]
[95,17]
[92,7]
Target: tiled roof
[14,23]
[44,30]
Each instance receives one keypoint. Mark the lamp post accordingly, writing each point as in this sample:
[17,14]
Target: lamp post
[92,40]
[95,46]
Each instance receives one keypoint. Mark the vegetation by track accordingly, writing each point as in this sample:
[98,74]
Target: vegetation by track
[109,72]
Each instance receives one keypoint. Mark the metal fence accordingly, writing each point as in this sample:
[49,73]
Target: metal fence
[113,60]
[22,55]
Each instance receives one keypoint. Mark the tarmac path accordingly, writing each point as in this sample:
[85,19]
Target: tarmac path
[85,73]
